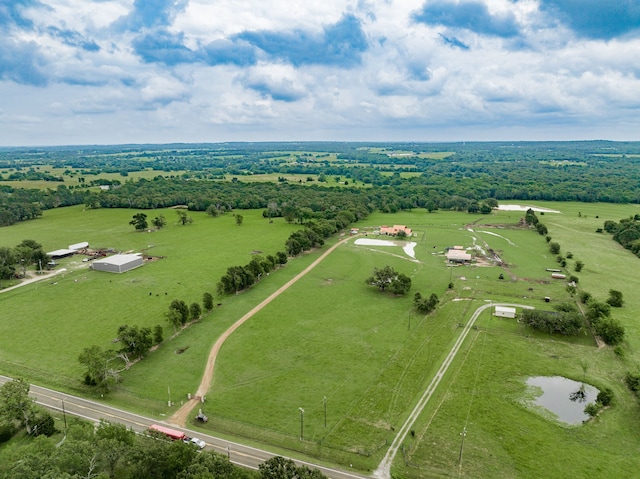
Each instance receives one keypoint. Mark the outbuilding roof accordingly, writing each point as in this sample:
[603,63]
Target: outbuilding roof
[77,246]
[118,259]
[60,252]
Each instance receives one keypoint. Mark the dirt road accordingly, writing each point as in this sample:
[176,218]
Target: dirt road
[182,415]
[384,469]
[33,278]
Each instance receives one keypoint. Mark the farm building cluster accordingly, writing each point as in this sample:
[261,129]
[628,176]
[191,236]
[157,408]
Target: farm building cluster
[395,230]
[102,259]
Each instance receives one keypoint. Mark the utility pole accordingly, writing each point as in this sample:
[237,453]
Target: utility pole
[64,415]
[463,434]
[325,411]
[301,424]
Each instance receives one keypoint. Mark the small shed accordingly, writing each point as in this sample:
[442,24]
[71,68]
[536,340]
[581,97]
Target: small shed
[504,312]
[118,263]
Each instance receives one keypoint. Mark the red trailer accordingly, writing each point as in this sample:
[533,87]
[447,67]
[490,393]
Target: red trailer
[170,433]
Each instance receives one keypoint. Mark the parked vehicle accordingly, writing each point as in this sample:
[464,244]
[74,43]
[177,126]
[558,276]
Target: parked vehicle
[177,435]
[170,433]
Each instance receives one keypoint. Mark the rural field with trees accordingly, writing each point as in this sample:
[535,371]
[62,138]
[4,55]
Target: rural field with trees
[331,369]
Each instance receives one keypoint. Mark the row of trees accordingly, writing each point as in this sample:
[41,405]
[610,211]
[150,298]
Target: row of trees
[103,366]
[599,315]
[238,278]
[566,320]
[180,313]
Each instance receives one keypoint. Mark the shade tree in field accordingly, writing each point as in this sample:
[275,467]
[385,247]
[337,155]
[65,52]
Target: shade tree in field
[195,311]
[425,305]
[139,222]
[159,222]
[615,298]
[183,217]
[388,279]
[554,248]
[207,301]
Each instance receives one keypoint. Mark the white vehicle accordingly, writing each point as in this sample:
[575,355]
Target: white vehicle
[198,442]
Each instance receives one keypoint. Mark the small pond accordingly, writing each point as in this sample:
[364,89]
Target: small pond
[564,397]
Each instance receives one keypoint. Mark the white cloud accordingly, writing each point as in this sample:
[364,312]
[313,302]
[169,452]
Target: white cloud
[410,79]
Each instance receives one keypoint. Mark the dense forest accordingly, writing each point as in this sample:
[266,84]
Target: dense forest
[392,177]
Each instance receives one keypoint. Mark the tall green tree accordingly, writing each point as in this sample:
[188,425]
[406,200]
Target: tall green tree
[387,279]
[183,217]
[615,299]
[159,221]
[139,222]
[195,311]
[207,301]
[99,371]
[15,403]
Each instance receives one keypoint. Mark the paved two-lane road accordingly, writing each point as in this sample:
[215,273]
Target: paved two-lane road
[239,454]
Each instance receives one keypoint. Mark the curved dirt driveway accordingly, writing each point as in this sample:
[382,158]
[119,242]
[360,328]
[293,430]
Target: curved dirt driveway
[181,416]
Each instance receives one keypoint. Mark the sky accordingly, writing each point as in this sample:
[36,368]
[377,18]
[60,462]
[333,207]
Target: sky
[76,72]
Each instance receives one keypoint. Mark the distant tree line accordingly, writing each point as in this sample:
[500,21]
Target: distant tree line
[473,177]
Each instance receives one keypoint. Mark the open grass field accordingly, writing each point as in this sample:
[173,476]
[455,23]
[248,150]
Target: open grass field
[72,180]
[47,324]
[331,343]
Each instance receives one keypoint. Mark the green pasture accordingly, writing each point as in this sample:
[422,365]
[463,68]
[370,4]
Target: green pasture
[438,155]
[80,307]
[72,179]
[332,336]
[294,178]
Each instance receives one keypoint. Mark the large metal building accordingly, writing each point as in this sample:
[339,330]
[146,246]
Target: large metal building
[118,263]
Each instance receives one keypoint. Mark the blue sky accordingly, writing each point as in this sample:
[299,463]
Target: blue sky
[158,71]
